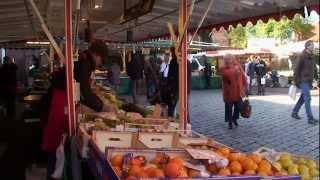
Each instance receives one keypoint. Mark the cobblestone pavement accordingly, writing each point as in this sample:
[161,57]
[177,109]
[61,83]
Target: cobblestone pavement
[270,124]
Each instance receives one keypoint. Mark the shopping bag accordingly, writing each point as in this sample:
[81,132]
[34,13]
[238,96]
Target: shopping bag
[245,108]
[60,159]
[263,81]
[292,92]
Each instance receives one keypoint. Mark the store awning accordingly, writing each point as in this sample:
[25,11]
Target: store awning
[18,22]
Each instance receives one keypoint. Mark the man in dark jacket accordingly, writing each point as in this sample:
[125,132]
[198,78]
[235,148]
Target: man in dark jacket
[173,82]
[88,61]
[304,75]
[135,71]
[207,71]
[8,85]
[251,73]
[261,71]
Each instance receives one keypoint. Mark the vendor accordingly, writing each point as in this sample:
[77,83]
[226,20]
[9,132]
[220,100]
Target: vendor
[89,60]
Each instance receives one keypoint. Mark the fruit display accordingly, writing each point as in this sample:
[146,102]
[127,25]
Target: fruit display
[297,165]
[154,165]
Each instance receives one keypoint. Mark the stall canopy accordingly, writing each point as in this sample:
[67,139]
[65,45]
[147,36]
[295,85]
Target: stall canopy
[18,21]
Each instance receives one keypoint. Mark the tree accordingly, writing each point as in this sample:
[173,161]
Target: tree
[238,37]
[281,30]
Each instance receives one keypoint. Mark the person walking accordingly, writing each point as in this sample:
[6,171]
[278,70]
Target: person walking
[303,77]
[135,72]
[151,78]
[8,85]
[261,71]
[234,88]
[115,72]
[207,71]
[250,73]
[164,88]
[173,82]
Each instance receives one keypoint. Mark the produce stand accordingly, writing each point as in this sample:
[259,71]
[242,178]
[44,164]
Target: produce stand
[141,141]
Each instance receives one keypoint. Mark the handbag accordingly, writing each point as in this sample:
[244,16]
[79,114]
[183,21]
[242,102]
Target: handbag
[292,92]
[245,108]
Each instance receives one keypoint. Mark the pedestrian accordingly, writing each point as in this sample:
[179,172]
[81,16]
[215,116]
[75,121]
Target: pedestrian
[207,71]
[303,77]
[57,120]
[115,72]
[164,88]
[261,71]
[173,82]
[250,71]
[9,85]
[234,88]
[151,78]
[89,60]
[135,72]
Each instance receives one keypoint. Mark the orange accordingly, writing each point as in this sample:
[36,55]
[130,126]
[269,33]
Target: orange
[235,167]
[156,173]
[149,170]
[194,173]
[242,157]
[135,170]
[183,173]
[136,162]
[117,170]
[142,174]
[235,174]
[177,160]
[131,178]
[249,172]
[256,158]
[224,151]
[172,169]
[224,172]
[116,160]
[265,166]
[249,164]
[212,168]
[262,173]
[234,157]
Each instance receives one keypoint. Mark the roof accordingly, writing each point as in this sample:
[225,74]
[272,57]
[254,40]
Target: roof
[17,21]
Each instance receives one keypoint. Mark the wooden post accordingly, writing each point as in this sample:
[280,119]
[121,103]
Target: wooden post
[69,66]
[183,84]
[51,58]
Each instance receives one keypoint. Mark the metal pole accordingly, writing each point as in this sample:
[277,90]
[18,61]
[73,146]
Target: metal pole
[46,30]
[69,65]
[183,96]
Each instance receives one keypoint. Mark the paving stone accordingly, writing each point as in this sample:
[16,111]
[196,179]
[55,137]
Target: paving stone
[270,124]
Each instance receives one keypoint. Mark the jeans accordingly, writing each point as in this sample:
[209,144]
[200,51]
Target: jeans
[250,84]
[305,99]
[232,111]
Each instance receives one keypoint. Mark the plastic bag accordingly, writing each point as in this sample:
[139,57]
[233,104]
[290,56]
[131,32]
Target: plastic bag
[292,92]
[60,158]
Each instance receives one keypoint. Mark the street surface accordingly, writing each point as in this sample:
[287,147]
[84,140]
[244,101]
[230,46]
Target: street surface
[270,125]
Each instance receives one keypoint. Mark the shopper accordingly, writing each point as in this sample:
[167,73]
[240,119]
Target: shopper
[173,82]
[207,71]
[8,85]
[261,71]
[250,73]
[89,60]
[303,79]
[115,72]
[151,78]
[135,72]
[234,88]
[57,120]
[164,88]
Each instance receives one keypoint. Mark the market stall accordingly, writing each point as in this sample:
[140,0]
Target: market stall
[137,142]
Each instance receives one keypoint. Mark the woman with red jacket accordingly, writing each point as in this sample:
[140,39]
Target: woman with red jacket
[234,88]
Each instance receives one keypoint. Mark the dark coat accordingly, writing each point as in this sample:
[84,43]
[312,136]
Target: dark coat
[261,68]
[173,77]
[135,67]
[82,73]
[304,71]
